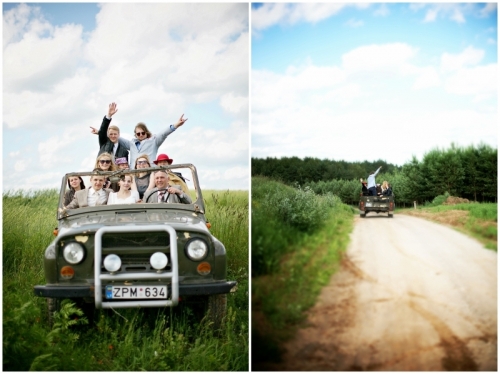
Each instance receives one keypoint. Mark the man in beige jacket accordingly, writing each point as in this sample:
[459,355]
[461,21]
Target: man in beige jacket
[95,195]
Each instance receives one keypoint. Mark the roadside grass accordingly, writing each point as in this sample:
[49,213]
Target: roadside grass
[282,294]
[478,220]
[136,339]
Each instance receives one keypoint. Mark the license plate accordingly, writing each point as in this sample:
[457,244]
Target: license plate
[136,292]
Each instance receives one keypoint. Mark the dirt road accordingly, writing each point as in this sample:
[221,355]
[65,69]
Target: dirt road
[411,295]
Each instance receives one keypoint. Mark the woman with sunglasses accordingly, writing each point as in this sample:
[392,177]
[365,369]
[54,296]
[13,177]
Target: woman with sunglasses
[147,143]
[105,162]
[74,184]
[143,182]
[127,194]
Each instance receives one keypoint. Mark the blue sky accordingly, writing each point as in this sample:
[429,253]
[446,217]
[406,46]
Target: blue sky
[63,63]
[368,81]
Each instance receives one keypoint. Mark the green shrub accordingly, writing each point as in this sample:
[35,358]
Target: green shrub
[281,215]
[23,333]
[438,200]
[300,208]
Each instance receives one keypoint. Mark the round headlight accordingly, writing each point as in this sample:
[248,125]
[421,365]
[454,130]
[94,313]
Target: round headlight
[197,249]
[112,263]
[158,260]
[73,253]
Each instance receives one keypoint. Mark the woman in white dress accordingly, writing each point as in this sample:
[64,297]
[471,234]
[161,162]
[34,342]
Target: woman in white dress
[127,194]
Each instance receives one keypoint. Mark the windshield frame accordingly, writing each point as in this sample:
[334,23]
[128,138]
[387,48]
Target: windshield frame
[197,205]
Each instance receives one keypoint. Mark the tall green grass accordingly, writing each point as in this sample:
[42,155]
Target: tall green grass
[135,339]
[300,260]
[281,215]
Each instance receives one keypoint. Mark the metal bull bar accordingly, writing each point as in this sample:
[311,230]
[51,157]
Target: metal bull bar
[174,274]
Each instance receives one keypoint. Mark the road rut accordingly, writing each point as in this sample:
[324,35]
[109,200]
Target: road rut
[411,295]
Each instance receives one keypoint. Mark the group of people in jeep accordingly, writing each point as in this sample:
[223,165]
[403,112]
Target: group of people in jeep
[115,153]
[371,188]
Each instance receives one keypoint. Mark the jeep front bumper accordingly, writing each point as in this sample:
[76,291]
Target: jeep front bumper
[70,292]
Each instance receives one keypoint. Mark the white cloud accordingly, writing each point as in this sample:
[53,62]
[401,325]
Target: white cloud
[382,10]
[140,67]
[428,77]
[155,60]
[270,14]
[270,89]
[344,95]
[20,165]
[487,9]
[16,21]
[234,104]
[376,57]
[457,16]
[431,15]
[354,23]
[376,87]
[469,57]
[457,12]
[236,172]
[37,61]
[480,80]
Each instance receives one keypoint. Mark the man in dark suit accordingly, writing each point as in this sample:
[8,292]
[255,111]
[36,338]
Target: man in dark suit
[109,136]
[95,195]
[164,193]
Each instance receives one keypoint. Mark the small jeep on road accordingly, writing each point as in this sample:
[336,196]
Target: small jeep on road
[136,255]
[377,204]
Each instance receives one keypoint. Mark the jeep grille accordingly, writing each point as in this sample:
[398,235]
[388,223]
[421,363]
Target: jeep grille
[135,240]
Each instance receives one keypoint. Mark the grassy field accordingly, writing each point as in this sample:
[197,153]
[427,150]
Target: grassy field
[478,220]
[131,340]
[300,261]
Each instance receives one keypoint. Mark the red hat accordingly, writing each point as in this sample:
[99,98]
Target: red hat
[163,157]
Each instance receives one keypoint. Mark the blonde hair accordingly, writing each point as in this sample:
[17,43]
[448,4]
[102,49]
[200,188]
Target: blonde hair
[144,128]
[385,185]
[113,127]
[142,156]
[112,167]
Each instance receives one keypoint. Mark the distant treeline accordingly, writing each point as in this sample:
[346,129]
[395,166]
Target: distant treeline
[465,172]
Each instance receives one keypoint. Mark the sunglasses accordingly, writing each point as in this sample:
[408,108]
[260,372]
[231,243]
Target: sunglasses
[140,133]
[142,162]
[105,161]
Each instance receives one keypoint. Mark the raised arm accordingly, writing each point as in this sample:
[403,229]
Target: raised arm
[180,122]
[103,130]
[160,137]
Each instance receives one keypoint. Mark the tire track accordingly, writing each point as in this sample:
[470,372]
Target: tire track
[404,302]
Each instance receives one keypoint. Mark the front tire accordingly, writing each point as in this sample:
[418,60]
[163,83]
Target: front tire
[216,309]
[53,305]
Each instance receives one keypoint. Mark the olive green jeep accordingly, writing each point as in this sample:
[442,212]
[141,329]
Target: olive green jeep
[138,255]
[376,204]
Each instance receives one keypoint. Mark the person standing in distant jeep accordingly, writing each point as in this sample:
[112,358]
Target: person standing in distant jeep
[372,185]
[109,136]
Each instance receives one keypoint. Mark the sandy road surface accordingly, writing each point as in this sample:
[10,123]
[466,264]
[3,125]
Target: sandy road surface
[411,295]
